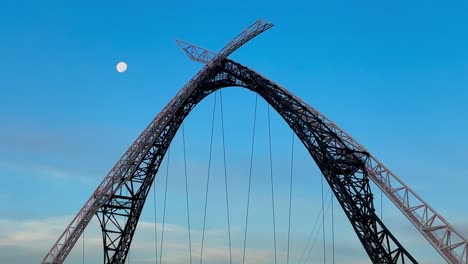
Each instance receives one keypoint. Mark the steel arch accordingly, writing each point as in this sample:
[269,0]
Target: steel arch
[343,167]
[346,165]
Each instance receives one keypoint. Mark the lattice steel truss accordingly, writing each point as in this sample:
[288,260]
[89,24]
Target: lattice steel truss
[347,166]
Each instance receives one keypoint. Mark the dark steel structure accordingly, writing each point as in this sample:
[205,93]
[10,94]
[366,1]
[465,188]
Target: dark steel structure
[346,166]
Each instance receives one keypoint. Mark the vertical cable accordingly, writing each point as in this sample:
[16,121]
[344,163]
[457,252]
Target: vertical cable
[225,175]
[208,179]
[323,226]
[128,192]
[311,234]
[320,226]
[83,246]
[250,178]
[333,228]
[155,221]
[186,193]
[164,207]
[290,194]
[381,205]
[272,185]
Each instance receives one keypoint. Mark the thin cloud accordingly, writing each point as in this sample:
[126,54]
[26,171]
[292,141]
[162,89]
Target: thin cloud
[31,239]
[43,170]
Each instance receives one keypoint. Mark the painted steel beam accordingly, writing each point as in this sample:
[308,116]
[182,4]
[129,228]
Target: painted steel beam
[205,56]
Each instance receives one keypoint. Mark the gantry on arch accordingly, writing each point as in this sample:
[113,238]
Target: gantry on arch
[346,165]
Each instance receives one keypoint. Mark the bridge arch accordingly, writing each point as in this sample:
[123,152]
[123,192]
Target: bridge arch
[342,166]
[347,167]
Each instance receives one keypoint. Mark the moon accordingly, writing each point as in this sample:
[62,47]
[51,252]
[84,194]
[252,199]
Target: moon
[121,67]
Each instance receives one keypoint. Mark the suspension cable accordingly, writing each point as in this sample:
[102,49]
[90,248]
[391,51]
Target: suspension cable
[83,246]
[272,185]
[164,207]
[311,234]
[381,205]
[290,194]
[318,231]
[208,178]
[333,228]
[127,194]
[225,175]
[186,193]
[312,231]
[250,177]
[323,226]
[155,221]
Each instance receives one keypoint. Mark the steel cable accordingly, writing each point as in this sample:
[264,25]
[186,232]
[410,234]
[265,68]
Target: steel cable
[186,193]
[208,178]
[225,175]
[312,232]
[333,229]
[290,194]
[272,185]
[250,178]
[317,234]
[323,227]
[83,246]
[165,201]
[155,221]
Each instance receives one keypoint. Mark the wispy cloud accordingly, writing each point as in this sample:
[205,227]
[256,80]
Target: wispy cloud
[43,170]
[30,233]
[34,237]
[26,240]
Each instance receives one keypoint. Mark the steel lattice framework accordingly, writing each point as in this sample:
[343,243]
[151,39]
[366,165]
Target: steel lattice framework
[346,165]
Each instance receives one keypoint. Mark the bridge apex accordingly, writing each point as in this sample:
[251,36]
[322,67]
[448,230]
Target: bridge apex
[205,56]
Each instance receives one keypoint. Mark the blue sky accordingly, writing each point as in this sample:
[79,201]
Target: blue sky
[394,75]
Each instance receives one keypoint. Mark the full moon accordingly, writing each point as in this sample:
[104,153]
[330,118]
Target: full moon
[121,66]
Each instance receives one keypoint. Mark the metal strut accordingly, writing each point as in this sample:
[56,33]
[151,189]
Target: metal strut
[205,56]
